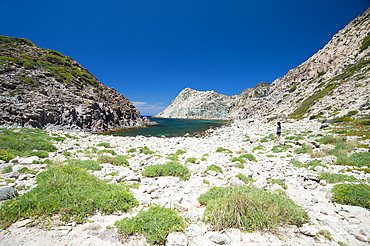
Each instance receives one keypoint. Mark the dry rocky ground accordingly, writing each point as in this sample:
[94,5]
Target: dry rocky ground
[347,224]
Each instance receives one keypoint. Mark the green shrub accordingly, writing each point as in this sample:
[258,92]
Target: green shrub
[303,150]
[180,152]
[108,151]
[7,169]
[279,182]
[59,139]
[105,145]
[245,179]
[259,147]
[67,153]
[326,234]
[171,168]
[23,142]
[5,156]
[118,160]
[330,139]
[155,224]
[145,150]
[357,159]
[71,193]
[172,157]
[40,153]
[132,150]
[220,149]
[87,164]
[249,208]
[191,160]
[234,159]
[311,164]
[336,178]
[26,170]
[352,194]
[271,136]
[239,165]
[365,43]
[205,181]
[70,136]
[215,168]
[281,148]
[250,157]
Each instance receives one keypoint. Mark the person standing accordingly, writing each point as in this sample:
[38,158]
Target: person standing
[278,132]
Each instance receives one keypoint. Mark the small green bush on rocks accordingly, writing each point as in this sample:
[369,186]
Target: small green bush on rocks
[249,208]
[191,160]
[69,192]
[245,179]
[105,145]
[155,224]
[336,178]
[171,168]
[352,194]
[220,149]
[118,160]
[24,142]
[215,168]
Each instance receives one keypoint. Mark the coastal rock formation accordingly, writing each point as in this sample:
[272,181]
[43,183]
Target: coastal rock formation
[45,89]
[334,81]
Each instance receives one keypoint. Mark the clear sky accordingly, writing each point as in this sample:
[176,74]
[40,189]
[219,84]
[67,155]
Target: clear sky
[149,50]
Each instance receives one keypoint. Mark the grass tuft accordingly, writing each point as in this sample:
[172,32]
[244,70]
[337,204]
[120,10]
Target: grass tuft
[69,192]
[155,224]
[215,168]
[352,194]
[171,168]
[250,209]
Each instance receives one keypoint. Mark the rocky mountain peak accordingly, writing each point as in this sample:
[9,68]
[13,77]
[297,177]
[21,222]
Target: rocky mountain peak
[333,82]
[45,89]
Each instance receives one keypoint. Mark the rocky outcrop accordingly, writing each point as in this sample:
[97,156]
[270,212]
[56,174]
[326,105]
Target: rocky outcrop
[195,104]
[45,89]
[334,81]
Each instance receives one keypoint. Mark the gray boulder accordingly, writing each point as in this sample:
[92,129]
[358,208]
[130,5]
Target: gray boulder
[7,192]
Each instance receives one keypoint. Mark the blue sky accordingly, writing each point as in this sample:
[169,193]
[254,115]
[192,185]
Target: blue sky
[149,50]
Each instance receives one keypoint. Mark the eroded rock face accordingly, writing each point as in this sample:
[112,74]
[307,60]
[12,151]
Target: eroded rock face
[335,79]
[45,89]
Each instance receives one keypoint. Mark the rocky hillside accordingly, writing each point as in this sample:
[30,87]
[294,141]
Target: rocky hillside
[44,89]
[333,82]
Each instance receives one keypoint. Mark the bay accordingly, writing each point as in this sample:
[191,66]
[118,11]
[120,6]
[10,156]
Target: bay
[170,127]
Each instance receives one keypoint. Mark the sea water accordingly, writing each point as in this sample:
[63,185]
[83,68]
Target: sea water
[171,127]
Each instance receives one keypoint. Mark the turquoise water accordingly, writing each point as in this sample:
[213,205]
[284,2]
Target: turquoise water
[171,127]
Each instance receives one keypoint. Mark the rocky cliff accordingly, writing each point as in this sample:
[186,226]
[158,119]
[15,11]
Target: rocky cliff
[332,82]
[43,88]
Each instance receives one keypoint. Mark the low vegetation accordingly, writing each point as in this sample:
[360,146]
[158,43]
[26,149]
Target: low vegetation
[171,168]
[220,149]
[155,224]
[215,168]
[24,142]
[249,208]
[245,179]
[337,178]
[279,182]
[352,194]
[70,193]
[118,160]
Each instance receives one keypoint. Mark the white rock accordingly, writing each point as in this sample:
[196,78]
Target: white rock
[217,237]
[308,230]
[195,230]
[176,239]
